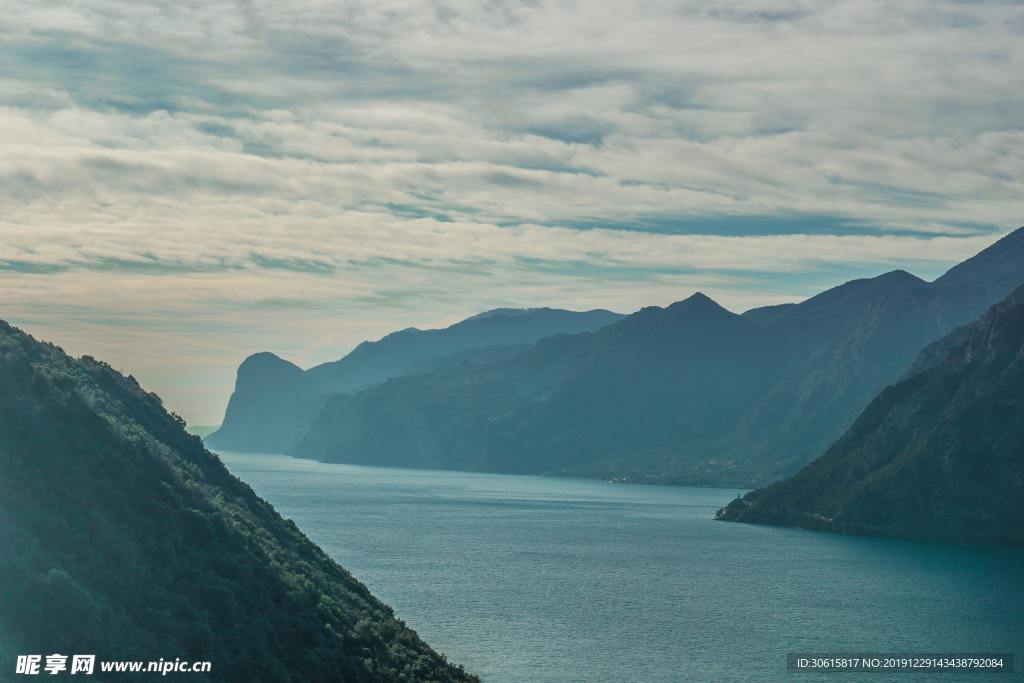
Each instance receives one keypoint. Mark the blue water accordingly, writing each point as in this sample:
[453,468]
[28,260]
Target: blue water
[545,579]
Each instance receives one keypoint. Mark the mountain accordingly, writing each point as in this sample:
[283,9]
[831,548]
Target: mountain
[765,315]
[274,401]
[271,406]
[858,337]
[373,362]
[992,268]
[659,377]
[123,537]
[688,394]
[939,455]
[476,356]
[849,342]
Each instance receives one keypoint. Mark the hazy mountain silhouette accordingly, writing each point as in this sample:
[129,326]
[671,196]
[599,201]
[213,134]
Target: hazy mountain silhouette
[271,407]
[939,455]
[125,538]
[690,393]
[373,362]
[569,399]
[274,401]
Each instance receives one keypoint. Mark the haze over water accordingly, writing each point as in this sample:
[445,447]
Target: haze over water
[547,579]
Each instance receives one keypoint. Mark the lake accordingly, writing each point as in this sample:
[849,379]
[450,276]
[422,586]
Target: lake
[523,578]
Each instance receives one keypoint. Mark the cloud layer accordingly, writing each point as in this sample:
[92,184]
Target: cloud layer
[184,183]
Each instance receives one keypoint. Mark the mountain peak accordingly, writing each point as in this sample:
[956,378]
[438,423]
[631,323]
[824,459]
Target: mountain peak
[697,307]
[265,365]
[900,277]
[506,312]
[697,300]
[264,358]
[851,296]
[894,280]
[699,304]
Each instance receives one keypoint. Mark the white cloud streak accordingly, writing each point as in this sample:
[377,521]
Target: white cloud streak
[198,174]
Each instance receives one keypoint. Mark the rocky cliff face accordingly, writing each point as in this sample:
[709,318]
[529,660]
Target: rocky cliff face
[273,404]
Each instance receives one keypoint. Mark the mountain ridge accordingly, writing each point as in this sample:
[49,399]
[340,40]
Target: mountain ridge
[562,373]
[938,455]
[647,398]
[271,409]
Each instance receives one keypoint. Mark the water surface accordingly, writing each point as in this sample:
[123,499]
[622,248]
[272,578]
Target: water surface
[544,579]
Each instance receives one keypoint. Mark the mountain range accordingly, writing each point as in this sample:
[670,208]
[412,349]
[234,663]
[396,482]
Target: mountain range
[686,394]
[123,537]
[274,401]
[938,455]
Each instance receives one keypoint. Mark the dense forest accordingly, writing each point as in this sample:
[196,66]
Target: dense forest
[123,537]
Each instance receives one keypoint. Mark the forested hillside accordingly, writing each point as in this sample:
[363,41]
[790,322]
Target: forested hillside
[123,536]
[939,455]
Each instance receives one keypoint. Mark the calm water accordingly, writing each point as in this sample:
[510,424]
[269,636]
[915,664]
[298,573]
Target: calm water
[543,579]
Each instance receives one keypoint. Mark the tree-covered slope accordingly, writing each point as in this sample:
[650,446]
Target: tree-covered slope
[120,535]
[861,336]
[938,455]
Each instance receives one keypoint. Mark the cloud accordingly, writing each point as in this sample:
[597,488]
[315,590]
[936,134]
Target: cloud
[351,167]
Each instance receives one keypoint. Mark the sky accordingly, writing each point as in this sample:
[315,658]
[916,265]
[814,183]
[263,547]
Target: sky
[185,183]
